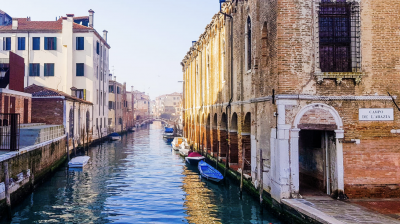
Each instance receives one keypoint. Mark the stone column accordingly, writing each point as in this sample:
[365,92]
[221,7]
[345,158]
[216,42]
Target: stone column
[294,162]
[339,162]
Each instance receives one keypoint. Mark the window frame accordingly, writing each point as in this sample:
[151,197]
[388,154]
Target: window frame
[33,73]
[37,43]
[49,45]
[46,69]
[78,72]
[80,46]
[23,43]
[6,43]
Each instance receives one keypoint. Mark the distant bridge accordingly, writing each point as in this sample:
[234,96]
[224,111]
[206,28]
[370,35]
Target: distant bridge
[148,120]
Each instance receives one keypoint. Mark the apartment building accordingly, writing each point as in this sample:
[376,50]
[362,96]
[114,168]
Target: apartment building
[141,105]
[67,55]
[116,105]
[168,105]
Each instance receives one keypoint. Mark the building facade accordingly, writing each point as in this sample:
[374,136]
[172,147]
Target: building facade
[297,94]
[141,105]
[65,56]
[116,106]
[168,105]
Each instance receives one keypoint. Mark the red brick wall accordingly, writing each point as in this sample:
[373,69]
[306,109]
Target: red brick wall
[19,105]
[223,145]
[48,111]
[233,142]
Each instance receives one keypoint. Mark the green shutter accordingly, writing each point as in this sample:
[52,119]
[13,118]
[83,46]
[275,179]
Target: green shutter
[46,43]
[55,43]
[52,70]
[46,70]
[30,70]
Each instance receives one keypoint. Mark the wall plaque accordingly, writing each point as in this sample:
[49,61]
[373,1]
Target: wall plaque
[376,114]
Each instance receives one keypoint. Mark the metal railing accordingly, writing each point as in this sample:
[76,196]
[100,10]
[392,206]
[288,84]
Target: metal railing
[9,131]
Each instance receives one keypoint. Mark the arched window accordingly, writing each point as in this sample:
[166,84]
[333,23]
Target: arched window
[248,43]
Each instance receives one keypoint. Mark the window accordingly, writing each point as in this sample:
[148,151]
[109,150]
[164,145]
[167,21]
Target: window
[97,48]
[248,40]
[7,44]
[97,72]
[21,43]
[34,69]
[110,105]
[109,121]
[120,120]
[118,90]
[36,43]
[339,42]
[101,77]
[49,69]
[101,98]
[80,43]
[50,43]
[80,69]
[111,88]
[81,94]
[101,51]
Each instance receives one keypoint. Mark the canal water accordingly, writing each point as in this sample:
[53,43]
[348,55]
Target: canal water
[137,180]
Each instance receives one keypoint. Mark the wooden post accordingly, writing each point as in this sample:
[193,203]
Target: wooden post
[216,163]
[241,172]
[73,145]
[68,147]
[206,146]
[7,190]
[261,177]
[227,158]
[87,138]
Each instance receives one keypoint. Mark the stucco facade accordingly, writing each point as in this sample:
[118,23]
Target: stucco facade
[266,90]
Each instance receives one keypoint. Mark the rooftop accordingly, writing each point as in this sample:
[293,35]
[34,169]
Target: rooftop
[41,91]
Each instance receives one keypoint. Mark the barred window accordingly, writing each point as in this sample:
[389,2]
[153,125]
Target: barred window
[248,43]
[339,37]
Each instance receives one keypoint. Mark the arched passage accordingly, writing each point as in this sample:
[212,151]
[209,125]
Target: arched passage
[214,147]
[318,152]
[246,145]
[208,137]
[233,141]
[223,136]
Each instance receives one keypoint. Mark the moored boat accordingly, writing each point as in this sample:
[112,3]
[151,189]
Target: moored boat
[209,172]
[168,132]
[176,143]
[78,162]
[115,136]
[194,158]
[184,149]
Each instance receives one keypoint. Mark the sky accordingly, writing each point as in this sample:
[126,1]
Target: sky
[148,38]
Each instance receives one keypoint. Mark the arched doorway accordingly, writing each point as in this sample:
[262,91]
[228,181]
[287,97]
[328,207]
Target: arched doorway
[233,141]
[246,145]
[214,148]
[223,135]
[319,152]
[208,131]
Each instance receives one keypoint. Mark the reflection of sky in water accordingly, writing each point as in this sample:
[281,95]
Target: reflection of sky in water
[137,180]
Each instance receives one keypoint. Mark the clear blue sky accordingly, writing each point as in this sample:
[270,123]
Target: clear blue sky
[148,38]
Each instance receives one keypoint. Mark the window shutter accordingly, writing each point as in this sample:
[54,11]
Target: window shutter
[45,43]
[52,69]
[46,70]
[22,43]
[30,70]
[37,69]
[55,43]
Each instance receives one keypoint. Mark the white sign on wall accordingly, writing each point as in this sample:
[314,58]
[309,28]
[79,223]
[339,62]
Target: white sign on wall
[376,114]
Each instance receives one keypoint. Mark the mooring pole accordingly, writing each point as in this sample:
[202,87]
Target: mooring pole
[206,146]
[241,172]
[216,163]
[7,190]
[261,177]
[68,147]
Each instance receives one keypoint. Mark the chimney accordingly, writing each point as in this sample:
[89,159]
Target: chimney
[115,78]
[132,89]
[105,32]
[14,23]
[91,18]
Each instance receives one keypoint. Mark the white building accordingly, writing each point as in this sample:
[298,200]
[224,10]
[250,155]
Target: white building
[66,56]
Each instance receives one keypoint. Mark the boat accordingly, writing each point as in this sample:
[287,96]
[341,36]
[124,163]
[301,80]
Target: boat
[194,158]
[184,149]
[209,172]
[115,136]
[176,143]
[132,129]
[168,132]
[78,162]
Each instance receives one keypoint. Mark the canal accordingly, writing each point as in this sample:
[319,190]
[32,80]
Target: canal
[137,180]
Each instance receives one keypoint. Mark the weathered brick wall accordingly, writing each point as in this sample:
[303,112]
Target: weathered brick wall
[19,105]
[48,111]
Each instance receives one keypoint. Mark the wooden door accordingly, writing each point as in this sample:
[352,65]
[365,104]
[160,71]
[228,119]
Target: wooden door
[12,105]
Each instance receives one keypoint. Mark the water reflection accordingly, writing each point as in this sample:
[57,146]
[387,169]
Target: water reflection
[137,180]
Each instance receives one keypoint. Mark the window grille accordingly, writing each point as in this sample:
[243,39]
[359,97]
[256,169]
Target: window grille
[248,43]
[339,36]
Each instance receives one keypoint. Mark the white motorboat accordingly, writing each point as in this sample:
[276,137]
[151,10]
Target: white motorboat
[184,149]
[78,162]
[176,143]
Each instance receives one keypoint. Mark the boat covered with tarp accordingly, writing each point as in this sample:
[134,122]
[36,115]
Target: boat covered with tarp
[194,157]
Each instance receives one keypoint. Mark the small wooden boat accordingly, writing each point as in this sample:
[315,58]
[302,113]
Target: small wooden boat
[115,136]
[78,162]
[176,143]
[209,172]
[194,158]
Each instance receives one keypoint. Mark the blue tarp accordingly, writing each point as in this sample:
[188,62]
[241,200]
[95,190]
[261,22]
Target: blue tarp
[169,130]
[114,134]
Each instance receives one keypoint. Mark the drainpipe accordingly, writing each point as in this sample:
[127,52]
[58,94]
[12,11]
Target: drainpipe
[29,52]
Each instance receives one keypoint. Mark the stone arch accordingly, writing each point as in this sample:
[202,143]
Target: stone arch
[233,142]
[320,125]
[214,133]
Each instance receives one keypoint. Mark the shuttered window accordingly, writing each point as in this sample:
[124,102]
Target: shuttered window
[34,69]
[80,45]
[49,69]
[98,48]
[36,43]
[50,43]
[80,69]
[21,43]
[7,44]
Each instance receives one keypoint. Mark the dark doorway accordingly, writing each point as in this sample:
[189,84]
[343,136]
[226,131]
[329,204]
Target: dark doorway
[316,148]
[26,111]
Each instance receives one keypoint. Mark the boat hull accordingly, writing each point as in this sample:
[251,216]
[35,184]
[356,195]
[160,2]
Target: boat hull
[194,160]
[209,173]
[78,162]
[115,138]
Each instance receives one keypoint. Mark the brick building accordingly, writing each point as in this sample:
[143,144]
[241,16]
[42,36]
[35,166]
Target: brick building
[305,85]
[54,107]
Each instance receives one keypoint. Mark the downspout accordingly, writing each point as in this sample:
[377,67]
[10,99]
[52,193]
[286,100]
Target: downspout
[29,52]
